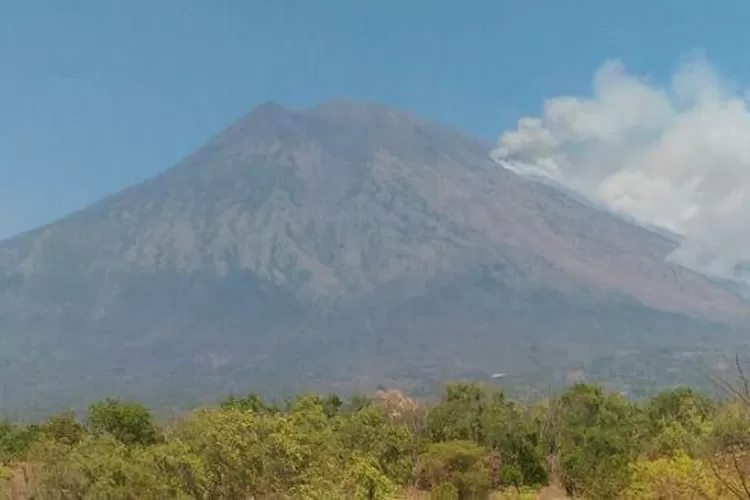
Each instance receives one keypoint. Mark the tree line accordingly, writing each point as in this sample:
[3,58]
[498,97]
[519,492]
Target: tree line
[473,443]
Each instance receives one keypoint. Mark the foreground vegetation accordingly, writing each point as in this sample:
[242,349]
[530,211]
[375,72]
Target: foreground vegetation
[474,443]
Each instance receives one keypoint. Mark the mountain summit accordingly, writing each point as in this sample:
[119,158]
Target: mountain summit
[349,244]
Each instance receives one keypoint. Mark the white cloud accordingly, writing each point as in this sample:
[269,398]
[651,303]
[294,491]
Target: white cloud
[676,156]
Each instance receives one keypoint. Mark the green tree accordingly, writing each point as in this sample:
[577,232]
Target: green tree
[180,464]
[127,421]
[488,418]
[596,437]
[458,463]
[677,476]
[332,405]
[368,433]
[362,478]
[678,421]
[459,415]
[357,402]
[246,454]
[513,436]
[728,447]
[64,427]
[251,402]
[97,467]
[15,440]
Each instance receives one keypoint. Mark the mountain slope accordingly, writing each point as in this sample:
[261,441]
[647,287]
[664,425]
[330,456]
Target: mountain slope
[345,232]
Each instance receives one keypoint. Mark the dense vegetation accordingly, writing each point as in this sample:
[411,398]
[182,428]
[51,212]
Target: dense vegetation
[473,443]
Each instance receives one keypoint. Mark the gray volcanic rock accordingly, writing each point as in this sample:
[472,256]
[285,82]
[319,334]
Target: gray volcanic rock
[346,244]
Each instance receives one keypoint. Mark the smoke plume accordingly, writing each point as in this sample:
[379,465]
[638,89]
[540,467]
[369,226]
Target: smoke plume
[675,156]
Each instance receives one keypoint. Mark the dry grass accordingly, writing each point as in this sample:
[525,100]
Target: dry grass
[546,493]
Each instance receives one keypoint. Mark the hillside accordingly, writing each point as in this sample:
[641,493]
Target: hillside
[343,246]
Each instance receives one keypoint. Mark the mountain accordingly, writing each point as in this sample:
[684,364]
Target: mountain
[345,246]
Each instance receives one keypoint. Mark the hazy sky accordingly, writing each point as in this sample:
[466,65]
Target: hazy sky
[98,94]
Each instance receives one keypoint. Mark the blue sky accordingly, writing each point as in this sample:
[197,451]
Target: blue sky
[96,95]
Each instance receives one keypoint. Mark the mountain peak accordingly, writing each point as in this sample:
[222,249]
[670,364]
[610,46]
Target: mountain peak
[351,228]
[335,109]
[268,108]
[351,108]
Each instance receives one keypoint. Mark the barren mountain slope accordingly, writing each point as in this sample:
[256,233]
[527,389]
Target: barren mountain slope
[292,226]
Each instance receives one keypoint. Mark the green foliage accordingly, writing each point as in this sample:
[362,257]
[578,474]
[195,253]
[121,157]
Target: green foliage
[512,434]
[444,491]
[681,476]
[64,428]
[357,402]
[474,443]
[364,478]
[487,418]
[242,454]
[15,440]
[681,404]
[332,405]
[597,438]
[677,422]
[459,463]
[368,432]
[129,422]
[459,414]
[731,428]
[97,467]
[251,402]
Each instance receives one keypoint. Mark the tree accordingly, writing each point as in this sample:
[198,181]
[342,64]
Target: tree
[129,422]
[362,478]
[15,440]
[596,436]
[728,452]
[678,421]
[513,436]
[489,419]
[459,414]
[368,433]
[260,455]
[64,427]
[332,405]
[677,476]
[232,448]
[251,402]
[460,464]
[357,402]
[97,467]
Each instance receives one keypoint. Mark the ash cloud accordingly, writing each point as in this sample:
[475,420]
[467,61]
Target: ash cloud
[675,156]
